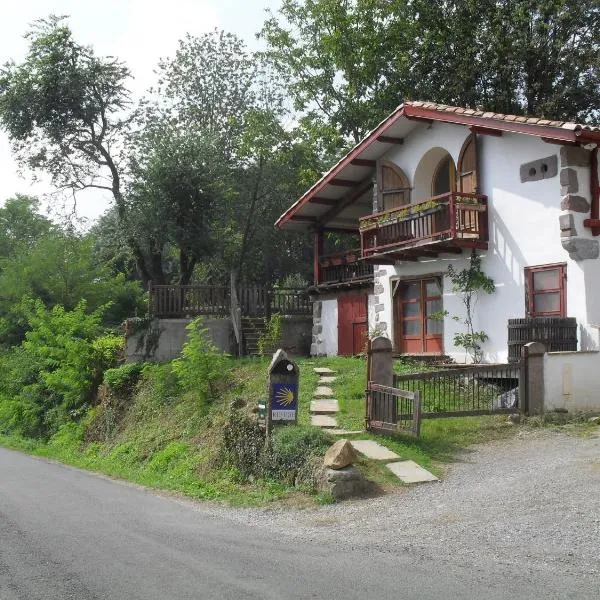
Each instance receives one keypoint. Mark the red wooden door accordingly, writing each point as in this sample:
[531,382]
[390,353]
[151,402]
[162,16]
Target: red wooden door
[414,304]
[352,324]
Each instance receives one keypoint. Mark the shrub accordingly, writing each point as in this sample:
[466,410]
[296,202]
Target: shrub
[271,337]
[201,364]
[122,380]
[292,448]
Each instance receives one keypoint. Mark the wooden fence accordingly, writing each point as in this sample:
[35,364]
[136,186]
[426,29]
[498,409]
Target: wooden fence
[391,410]
[179,301]
[556,333]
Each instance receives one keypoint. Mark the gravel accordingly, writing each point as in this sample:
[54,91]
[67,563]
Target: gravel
[525,505]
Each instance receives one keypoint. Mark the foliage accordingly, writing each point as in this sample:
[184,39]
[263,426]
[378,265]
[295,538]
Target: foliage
[122,380]
[291,448]
[270,338]
[348,64]
[470,283]
[201,364]
[51,377]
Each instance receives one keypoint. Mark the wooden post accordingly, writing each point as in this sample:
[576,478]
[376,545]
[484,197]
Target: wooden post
[236,315]
[150,299]
[533,368]
[318,252]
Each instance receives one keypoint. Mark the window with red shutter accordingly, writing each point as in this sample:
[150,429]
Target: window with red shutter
[545,294]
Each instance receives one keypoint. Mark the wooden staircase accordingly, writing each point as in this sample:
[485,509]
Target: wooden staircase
[252,329]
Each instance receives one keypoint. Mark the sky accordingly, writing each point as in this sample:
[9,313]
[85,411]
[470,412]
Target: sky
[139,32]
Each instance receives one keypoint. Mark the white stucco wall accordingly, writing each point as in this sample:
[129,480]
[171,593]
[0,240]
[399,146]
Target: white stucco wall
[329,335]
[571,381]
[524,231]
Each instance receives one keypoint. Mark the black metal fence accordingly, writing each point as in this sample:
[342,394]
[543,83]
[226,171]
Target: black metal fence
[556,333]
[391,410]
[464,391]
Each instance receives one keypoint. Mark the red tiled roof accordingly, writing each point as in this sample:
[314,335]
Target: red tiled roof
[555,131]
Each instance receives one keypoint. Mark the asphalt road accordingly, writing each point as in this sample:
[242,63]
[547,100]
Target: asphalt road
[65,533]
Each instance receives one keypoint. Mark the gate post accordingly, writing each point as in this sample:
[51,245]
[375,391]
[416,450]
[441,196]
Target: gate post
[533,368]
[380,370]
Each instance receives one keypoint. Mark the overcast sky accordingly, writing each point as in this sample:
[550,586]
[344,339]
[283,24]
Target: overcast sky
[139,32]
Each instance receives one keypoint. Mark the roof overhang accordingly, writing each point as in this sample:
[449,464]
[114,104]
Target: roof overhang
[344,193]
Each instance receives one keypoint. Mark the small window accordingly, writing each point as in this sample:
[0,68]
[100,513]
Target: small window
[545,291]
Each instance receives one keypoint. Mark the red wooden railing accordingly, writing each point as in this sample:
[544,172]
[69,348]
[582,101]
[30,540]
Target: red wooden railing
[451,217]
[342,267]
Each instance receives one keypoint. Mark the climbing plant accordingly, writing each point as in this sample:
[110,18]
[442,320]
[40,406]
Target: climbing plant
[470,283]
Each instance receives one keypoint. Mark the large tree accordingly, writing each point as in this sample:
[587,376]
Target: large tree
[351,62]
[66,111]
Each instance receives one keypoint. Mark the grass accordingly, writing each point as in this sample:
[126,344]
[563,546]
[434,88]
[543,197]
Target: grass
[166,439]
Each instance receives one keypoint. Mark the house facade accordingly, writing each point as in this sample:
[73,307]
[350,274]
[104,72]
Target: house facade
[424,190]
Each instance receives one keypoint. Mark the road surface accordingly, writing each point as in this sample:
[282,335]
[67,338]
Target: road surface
[66,533]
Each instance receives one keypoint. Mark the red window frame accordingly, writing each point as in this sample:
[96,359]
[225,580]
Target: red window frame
[531,293]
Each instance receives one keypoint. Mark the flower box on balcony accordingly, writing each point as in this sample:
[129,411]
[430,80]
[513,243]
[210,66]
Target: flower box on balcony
[351,258]
[336,261]
[398,215]
[469,203]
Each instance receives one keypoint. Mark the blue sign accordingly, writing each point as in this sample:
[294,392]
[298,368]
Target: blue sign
[284,401]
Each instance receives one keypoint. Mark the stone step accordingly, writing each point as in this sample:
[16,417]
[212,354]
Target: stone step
[323,391]
[323,371]
[409,471]
[345,431]
[324,421]
[373,450]
[324,407]
[324,380]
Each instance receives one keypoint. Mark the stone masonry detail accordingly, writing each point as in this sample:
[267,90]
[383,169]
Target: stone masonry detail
[574,205]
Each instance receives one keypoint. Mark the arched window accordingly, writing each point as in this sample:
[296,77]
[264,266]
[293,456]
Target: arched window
[467,167]
[444,177]
[395,189]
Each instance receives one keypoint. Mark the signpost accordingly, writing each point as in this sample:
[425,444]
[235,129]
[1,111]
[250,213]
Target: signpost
[282,396]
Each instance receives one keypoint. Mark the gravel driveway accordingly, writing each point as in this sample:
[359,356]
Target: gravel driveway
[528,505]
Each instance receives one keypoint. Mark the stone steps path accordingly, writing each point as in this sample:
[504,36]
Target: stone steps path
[323,409]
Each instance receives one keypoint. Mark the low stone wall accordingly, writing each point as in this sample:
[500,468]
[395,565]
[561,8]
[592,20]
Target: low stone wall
[571,381]
[163,339]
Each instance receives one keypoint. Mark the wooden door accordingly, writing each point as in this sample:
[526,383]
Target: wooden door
[415,303]
[352,324]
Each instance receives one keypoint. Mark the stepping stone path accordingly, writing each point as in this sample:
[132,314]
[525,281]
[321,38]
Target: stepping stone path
[324,406]
[410,472]
[323,409]
[373,450]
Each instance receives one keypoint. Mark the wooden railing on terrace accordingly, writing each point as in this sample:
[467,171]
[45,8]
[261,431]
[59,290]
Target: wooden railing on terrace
[458,218]
[342,267]
[178,301]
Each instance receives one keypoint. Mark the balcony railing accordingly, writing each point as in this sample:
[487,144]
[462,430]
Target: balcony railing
[443,223]
[344,268]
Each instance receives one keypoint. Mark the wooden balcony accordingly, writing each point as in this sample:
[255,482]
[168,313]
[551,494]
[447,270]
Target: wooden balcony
[446,223]
[343,269]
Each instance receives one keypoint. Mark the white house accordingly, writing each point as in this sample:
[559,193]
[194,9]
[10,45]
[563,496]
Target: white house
[420,192]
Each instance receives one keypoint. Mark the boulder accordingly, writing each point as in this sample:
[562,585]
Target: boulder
[342,483]
[340,455]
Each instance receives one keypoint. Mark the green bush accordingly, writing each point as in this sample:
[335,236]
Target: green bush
[201,364]
[292,447]
[160,382]
[122,380]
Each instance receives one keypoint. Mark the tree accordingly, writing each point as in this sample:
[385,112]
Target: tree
[66,113]
[21,225]
[350,63]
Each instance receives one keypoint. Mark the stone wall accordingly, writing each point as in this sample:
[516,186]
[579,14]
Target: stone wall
[162,339]
[575,204]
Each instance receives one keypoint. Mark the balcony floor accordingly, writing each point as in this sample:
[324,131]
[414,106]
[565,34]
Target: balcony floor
[424,249]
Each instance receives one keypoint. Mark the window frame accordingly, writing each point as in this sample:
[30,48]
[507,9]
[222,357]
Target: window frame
[405,189]
[451,175]
[530,293]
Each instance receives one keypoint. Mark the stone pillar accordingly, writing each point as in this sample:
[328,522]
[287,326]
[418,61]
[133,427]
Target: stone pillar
[533,369]
[381,364]
[317,330]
